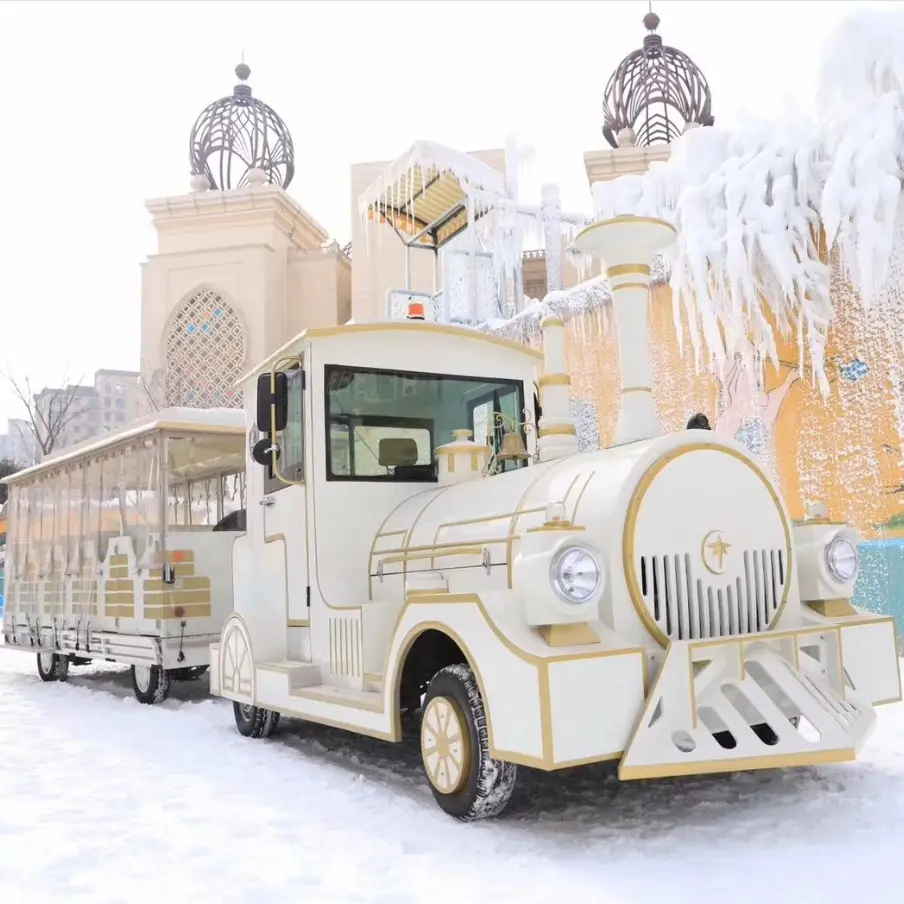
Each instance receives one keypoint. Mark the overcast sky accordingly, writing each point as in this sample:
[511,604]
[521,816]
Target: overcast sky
[99,98]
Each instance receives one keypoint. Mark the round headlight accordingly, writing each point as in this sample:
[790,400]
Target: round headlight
[842,560]
[575,575]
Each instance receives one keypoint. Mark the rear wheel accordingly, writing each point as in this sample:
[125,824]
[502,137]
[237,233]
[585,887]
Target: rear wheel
[254,722]
[466,781]
[150,683]
[52,667]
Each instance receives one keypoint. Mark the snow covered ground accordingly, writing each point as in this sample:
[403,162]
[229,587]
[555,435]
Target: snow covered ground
[103,800]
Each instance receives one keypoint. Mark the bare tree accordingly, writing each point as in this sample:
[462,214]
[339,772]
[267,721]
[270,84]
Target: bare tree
[151,388]
[50,411]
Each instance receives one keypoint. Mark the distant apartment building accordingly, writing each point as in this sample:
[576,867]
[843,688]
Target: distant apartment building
[83,412]
[18,443]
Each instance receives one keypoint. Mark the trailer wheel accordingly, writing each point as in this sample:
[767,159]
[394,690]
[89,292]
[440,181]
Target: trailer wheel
[466,781]
[253,721]
[52,667]
[150,683]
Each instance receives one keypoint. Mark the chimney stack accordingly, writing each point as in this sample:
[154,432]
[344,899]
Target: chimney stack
[627,245]
[557,431]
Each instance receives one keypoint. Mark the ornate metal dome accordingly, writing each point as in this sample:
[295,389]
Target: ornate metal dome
[239,133]
[656,92]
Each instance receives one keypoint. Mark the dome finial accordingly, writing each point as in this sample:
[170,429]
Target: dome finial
[655,94]
[238,134]
[651,20]
[243,70]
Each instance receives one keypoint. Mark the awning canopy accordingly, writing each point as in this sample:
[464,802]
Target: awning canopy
[424,194]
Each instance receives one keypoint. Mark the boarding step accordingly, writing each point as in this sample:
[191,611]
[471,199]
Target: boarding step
[298,674]
[727,705]
[340,695]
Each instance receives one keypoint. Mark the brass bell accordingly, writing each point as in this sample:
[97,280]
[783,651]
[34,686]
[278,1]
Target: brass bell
[513,448]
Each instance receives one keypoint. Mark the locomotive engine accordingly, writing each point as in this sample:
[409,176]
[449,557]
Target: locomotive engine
[650,603]
[678,549]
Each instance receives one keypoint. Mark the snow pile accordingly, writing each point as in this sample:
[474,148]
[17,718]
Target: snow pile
[760,210]
[525,325]
[584,298]
[203,815]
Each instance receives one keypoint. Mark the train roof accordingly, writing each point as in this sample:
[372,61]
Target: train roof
[203,420]
[417,328]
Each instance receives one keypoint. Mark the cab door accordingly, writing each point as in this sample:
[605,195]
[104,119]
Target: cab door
[283,505]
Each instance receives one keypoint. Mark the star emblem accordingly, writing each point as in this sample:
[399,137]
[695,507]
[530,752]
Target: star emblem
[715,550]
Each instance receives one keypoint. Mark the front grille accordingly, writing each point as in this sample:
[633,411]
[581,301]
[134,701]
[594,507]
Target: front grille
[686,606]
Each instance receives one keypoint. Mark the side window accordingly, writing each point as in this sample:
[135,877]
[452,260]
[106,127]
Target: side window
[491,416]
[289,461]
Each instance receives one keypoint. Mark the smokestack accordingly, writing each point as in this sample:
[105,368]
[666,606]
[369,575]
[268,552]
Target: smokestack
[557,430]
[627,245]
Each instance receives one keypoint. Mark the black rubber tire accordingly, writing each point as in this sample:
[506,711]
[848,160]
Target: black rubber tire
[58,669]
[253,721]
[157,688]
[489,785]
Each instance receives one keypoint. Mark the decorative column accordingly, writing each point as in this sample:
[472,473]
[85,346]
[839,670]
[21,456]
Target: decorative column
[557,432]
[514,237]
[627,245]
[551,215]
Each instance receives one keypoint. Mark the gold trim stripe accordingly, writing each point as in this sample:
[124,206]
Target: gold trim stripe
[563,430]
[628,270]
[554,380]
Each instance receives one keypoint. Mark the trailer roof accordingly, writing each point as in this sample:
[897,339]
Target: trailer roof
[200,420]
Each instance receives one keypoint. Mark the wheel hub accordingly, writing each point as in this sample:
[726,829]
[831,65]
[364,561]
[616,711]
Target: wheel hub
[444,749]
[143,677]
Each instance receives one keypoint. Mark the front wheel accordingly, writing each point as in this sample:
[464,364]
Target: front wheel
[150,683]
[467,782]
[52,667]
[254,722]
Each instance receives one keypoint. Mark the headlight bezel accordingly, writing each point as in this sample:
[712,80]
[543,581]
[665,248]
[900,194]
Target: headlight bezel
[556,578]
[831,547]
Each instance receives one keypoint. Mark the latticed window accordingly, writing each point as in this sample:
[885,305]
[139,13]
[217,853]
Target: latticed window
[205,351]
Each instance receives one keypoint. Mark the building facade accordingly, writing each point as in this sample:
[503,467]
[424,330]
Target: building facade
[240,267]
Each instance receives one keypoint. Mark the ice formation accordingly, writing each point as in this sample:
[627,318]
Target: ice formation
[425,160]
[762,210]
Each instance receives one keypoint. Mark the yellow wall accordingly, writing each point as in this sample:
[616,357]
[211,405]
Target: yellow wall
[840,450]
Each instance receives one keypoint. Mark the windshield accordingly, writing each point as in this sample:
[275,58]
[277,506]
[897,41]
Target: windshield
[386,425]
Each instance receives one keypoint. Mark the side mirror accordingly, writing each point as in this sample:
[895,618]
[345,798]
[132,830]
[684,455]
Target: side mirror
[265,397]
[263,451]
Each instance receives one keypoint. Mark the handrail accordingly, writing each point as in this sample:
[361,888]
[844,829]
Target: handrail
[435,554]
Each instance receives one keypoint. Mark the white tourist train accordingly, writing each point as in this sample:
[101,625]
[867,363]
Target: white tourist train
[416,543]
[120,548]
